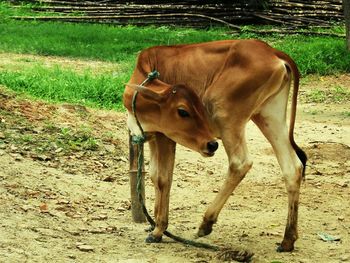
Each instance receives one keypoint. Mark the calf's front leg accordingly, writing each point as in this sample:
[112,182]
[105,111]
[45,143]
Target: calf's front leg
[162,156]
[239,165]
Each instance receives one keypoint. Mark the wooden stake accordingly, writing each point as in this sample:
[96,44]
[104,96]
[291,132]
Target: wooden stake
[136,208]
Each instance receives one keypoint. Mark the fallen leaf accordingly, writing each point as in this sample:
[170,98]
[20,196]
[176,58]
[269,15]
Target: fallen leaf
[44,208]
[13,148]
[25,208]
[62,202]
[109,178]
[326,237]
[58,150]
[122,158]
[85,248]
[121,209]
[103,216]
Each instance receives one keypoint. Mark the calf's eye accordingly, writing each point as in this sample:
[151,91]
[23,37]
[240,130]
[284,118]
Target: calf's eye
[183,113]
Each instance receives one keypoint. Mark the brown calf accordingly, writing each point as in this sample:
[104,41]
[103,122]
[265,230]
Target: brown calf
[211,90]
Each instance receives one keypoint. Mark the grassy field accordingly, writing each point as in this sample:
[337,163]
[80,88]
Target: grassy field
[321,55]
[120,45]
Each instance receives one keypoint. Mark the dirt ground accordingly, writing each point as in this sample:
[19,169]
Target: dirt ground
[73,204]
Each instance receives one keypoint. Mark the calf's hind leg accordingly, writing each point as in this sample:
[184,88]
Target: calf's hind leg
[272,122]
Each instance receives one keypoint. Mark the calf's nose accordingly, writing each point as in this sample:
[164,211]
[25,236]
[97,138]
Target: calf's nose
[212,146]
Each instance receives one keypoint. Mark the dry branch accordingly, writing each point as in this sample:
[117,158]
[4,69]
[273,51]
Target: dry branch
[198,13]
[292,32]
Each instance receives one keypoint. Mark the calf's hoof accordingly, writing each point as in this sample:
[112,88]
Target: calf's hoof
[285,247]
[205,229]
[153,239]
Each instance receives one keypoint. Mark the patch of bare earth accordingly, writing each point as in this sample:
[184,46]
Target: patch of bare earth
[71,204]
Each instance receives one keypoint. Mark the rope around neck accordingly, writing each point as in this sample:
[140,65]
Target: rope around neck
[224,254]
[140,139]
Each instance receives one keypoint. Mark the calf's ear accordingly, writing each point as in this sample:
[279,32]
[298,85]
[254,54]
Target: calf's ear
[148,93]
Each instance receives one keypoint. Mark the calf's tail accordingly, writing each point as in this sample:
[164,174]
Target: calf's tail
[293,70]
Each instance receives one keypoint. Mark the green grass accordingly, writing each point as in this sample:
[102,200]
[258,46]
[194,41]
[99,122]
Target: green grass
[316,96]
[346,114]
[6,10]
[54,140]
[317,55]
[335,94]
[77,139]
[314,55]
[59,84]
[115,44]
[321,55]
[91,41]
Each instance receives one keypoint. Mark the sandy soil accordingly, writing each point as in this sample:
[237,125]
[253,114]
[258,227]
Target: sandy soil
[74,206]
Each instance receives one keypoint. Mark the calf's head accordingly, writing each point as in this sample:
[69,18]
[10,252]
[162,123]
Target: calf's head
[177,112]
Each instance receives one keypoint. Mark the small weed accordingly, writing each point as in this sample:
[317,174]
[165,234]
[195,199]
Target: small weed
[341,94]
[49,139]
[27,60]
[50,127]
[27,138]
[314,112]
[316,95]
[336,94]
[81,139]
[346,114]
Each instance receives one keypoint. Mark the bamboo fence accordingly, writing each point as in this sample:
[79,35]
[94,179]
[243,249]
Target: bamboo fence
[193,13]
